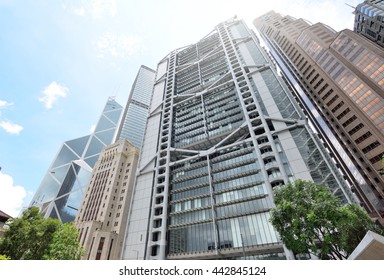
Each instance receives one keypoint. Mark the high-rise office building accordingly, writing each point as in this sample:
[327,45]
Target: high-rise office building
[342,75]
[101,220]
[135,114]
[62,188]
[369,20]
[222,132]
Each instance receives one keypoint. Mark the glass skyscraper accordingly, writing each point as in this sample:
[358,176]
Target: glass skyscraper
[223,131]
[62,188]
[369,20]
[135,114]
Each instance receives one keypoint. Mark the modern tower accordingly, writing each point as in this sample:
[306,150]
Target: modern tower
[369,20]
[62,188]
[222,132]
[135,114]
[101,220]
[342,76]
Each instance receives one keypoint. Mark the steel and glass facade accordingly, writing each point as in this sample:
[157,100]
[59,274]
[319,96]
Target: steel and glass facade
[369,20]
[222,132]
[135,115]
[342,76]
[63,186]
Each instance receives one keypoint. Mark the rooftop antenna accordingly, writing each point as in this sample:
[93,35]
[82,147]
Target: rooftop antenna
[350,5]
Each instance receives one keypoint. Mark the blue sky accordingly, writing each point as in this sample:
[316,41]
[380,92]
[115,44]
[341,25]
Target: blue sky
[60,61]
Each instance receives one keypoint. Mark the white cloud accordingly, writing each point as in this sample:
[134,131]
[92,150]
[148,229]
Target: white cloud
[11,198]
[51,94]
[97,9]
[4,104]
[10,127]
[118,45]
[80,11]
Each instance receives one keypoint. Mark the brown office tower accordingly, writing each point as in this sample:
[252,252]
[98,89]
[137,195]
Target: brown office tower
[342,76]
[101,220]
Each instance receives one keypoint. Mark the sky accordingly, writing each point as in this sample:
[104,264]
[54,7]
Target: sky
[61,60]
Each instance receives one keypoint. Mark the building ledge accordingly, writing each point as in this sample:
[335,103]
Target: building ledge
[370,248]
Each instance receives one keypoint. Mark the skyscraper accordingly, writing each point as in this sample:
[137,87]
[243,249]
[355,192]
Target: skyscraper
[62,188]
[222,132]
[369,20]
[101,220]
[342,75]
[135,114]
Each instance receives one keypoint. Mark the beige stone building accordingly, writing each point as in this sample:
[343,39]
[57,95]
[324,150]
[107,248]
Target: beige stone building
[342,75]
[102,218]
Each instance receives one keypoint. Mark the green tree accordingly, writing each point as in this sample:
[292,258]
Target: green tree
[310,219]
[4,258]
[64,245]
[32,237]
[28,237]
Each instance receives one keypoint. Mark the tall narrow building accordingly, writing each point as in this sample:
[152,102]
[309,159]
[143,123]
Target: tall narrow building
[222,132]
[369,20]
[342,75]
[135,115]
[62,188]
[101,220]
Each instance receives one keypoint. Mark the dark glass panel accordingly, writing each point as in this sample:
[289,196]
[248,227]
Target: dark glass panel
[114,116]
[69,181]
[60,172]
[47,191]
[69,205]
[104,124]
[91,160]
[94,148]
[78,145]
[106,136]
[65,156]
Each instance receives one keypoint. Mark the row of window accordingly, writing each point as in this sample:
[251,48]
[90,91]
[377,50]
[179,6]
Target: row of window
[244,231]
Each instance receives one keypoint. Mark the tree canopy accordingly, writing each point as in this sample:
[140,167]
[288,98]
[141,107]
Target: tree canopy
[64,245]
[310,219]
[32,237]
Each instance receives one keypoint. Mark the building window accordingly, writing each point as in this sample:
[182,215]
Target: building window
[157,223]
[370,147]
[376,158]
[342,114]
[100,248]
[363,137]
[356,129]
[338,106]
[349,121]
[330,102]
